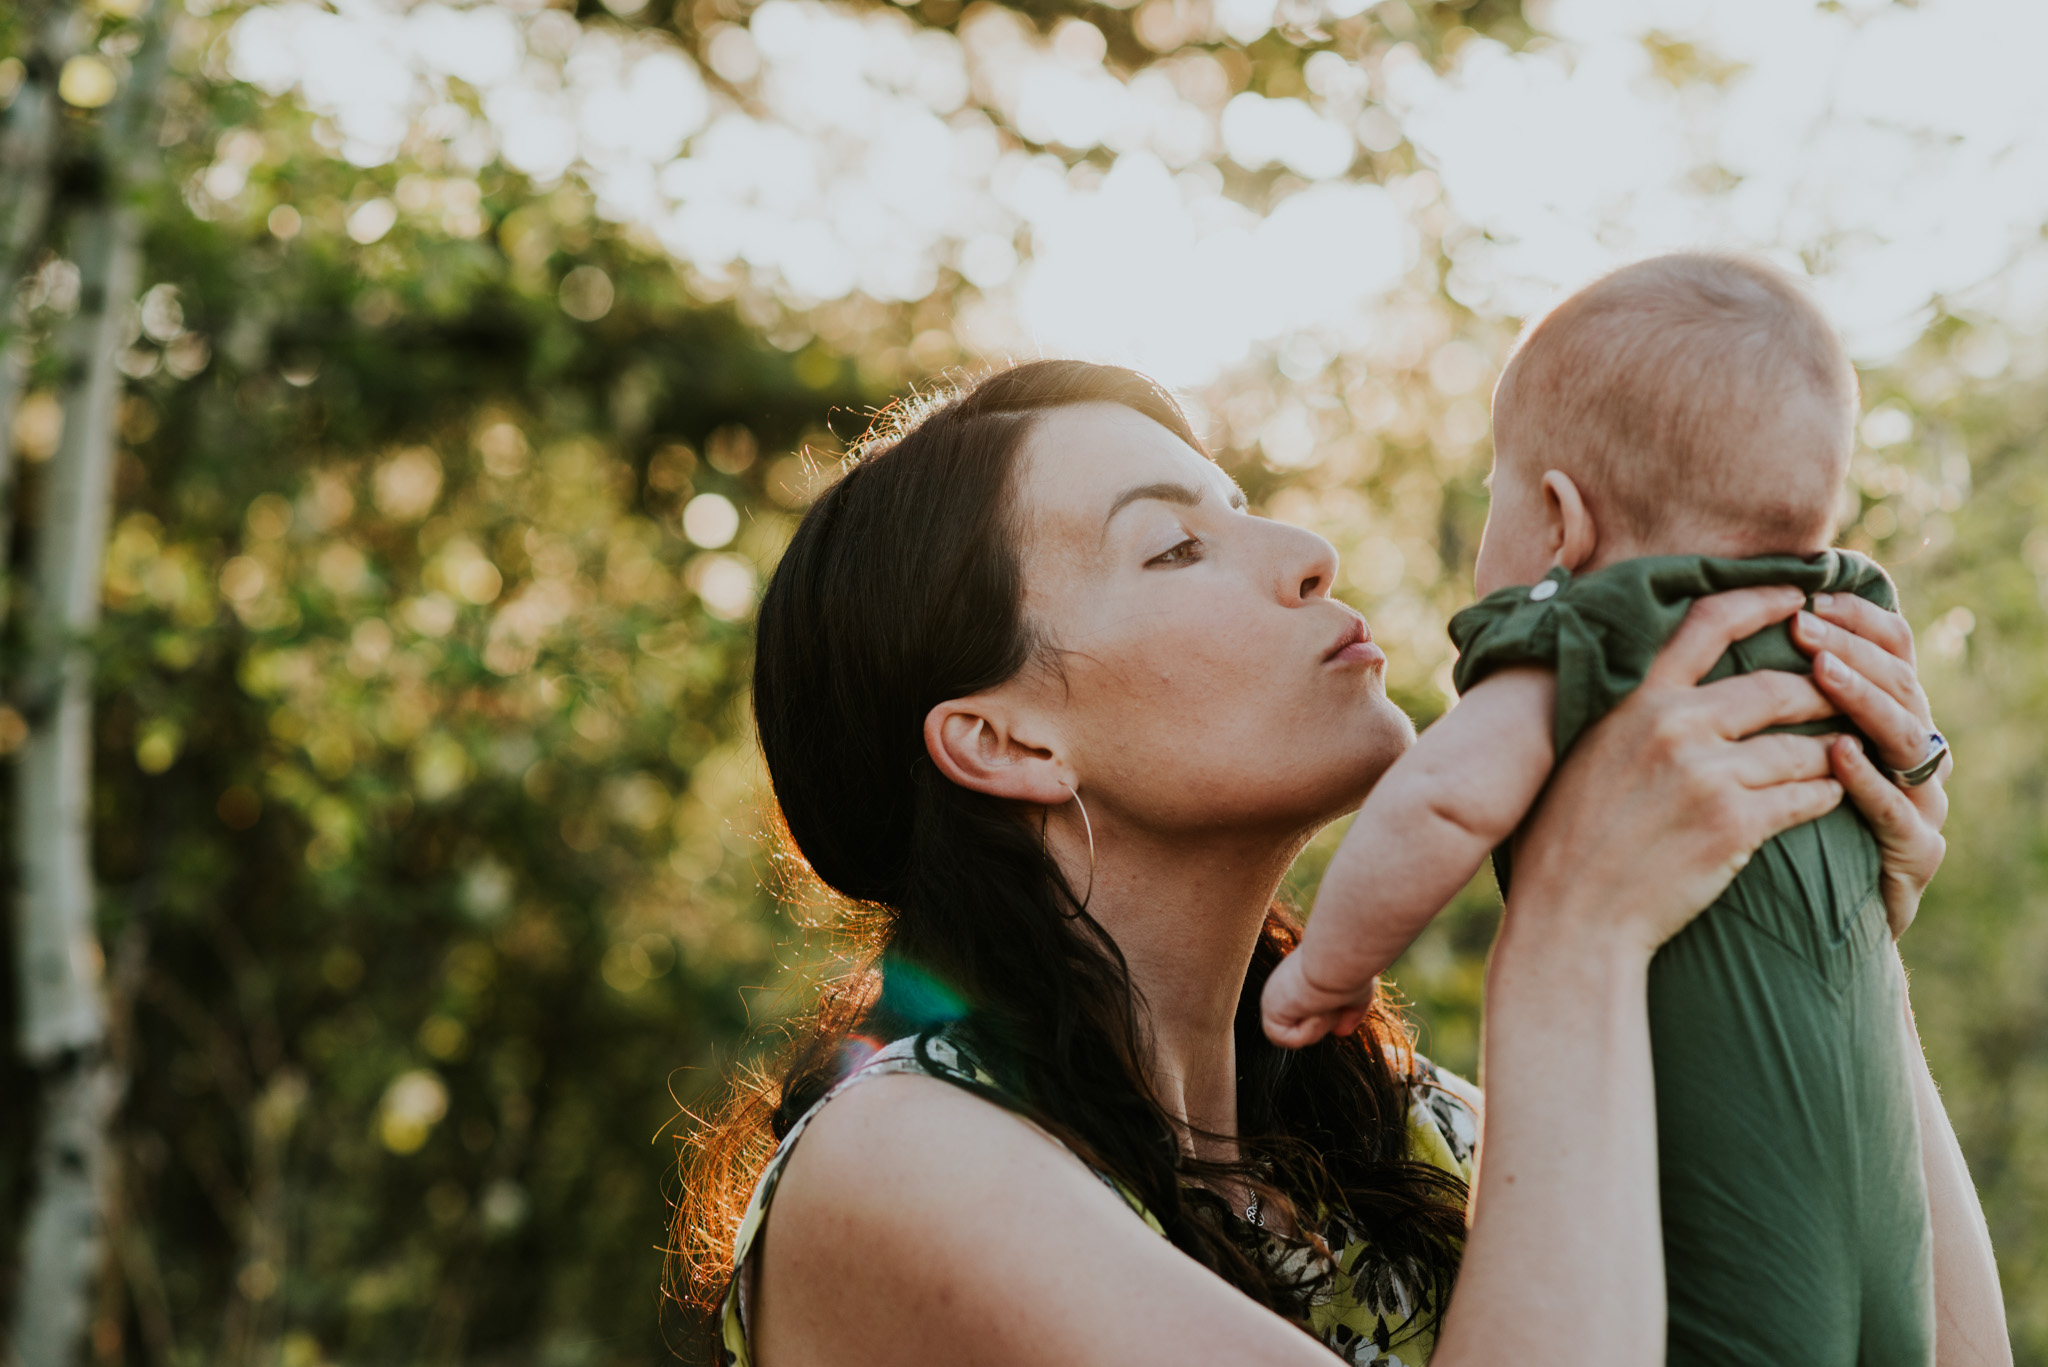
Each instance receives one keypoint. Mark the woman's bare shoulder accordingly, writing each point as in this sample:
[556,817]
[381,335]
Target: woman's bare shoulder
[907,1129]
[914,1160]
[919,1222]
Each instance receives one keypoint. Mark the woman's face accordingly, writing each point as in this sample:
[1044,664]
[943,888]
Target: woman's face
[1207,681]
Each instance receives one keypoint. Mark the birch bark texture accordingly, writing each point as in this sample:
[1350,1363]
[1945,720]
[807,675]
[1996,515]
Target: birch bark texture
[60,964]
[28,149]
[63,1024]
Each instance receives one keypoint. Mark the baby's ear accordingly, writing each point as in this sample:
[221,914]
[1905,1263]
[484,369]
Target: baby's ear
[1573,536]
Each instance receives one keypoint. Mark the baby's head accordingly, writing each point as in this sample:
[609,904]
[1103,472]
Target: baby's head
[1688,404]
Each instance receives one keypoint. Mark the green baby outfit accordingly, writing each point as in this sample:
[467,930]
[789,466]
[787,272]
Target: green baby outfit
[1794,1206]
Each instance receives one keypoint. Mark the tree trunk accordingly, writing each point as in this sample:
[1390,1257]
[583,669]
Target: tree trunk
[60,964]
[28,147]
[61,1247]
[63,1025]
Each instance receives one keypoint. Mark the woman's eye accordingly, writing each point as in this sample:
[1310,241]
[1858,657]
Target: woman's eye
[1190,549]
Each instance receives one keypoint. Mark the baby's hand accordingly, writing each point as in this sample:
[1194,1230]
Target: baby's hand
[1297,1012]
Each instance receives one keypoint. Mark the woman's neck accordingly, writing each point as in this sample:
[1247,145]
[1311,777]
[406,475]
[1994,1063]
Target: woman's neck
[1186,916]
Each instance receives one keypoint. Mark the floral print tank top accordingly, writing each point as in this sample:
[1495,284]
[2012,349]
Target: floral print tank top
[1363,1313]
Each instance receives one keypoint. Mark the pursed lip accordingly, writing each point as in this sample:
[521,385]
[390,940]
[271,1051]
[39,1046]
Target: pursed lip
[1355,644]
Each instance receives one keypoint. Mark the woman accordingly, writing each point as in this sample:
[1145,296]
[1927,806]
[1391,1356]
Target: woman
[1039,696]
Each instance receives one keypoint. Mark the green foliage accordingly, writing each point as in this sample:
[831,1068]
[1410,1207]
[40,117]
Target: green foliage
[425,809]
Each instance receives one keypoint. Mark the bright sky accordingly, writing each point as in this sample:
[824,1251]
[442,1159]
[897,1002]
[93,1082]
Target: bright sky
[1896,152]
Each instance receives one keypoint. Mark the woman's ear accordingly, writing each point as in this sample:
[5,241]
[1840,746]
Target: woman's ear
[975,743]
[1573,536]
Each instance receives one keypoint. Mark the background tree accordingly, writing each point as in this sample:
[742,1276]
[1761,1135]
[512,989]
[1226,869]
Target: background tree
[62,1021]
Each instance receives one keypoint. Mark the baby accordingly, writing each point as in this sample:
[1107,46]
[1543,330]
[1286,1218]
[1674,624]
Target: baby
[1678,428]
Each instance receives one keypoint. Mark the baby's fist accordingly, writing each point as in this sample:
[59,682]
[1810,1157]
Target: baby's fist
[1296,1013]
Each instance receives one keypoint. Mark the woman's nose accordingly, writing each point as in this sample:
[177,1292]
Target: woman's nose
[1308,565]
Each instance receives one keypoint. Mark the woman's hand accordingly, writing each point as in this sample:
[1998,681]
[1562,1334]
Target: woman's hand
[1661,804]
[1863,661]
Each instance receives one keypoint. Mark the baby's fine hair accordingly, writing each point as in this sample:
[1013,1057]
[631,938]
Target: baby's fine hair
[1690,391]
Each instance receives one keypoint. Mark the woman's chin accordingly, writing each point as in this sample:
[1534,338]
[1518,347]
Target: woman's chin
[1379,734]
[1388,718]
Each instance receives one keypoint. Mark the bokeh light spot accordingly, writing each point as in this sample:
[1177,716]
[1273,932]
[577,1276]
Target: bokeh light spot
[86,82]
[586,294]
[711,520]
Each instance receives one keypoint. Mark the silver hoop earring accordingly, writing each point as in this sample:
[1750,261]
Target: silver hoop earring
[1089,827]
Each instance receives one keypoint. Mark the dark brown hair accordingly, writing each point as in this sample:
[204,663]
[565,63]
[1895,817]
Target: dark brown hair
[902,589]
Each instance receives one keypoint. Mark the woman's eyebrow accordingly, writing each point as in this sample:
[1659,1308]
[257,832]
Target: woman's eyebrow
[1186,495]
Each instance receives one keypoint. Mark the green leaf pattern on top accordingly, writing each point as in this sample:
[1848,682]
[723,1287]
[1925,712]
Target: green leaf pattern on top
[1365,1310]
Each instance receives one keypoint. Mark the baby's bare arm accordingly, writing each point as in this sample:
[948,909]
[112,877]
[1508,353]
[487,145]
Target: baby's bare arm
[1459,792]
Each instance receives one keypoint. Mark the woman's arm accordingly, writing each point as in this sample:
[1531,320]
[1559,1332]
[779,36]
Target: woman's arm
[1969,1312]
[1565,1233]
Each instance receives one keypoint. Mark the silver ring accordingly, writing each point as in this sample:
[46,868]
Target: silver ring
[1937,748]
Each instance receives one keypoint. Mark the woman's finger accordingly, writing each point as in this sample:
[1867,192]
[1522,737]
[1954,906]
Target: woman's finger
[1884,804]
[1906,822]
[1930,799]
[1889,630]
[1939,786]
[1899,735]
[1713,624]
[1746,704]
[1792,804]
[1763,761]
[1872,659]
